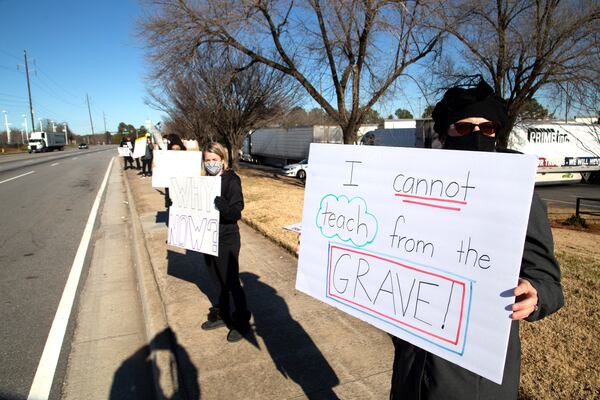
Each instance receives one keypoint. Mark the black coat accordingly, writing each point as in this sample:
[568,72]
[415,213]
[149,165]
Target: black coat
[418,374]
[231,203]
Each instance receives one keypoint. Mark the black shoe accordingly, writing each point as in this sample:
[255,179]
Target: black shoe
[212,324]
[234,336]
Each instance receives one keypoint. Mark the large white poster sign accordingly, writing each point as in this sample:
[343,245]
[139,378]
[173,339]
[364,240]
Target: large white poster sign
[124,151]
[169,163]
[423,244]
[193,218]
[140,147]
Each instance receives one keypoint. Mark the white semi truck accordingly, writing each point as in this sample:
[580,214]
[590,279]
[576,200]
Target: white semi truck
[566,152]
[45,141]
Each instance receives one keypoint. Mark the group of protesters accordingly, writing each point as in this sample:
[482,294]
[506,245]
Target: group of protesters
[465,119]
[146,158]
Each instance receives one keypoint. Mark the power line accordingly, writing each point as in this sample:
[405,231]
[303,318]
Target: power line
[57,84]
[12,69]
[49,91]
[46,89]
[10,55]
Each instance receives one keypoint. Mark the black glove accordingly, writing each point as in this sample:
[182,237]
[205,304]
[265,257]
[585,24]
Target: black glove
[220,203]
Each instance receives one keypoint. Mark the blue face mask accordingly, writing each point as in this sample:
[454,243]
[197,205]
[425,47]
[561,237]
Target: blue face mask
[213,167]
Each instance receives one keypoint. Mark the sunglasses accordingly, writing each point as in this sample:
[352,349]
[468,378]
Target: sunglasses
[466,128]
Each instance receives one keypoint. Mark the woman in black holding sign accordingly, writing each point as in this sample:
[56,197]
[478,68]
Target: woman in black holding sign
[468,119]
[225,267]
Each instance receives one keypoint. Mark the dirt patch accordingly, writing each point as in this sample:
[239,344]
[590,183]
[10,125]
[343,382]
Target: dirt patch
[560,354]
[272,202]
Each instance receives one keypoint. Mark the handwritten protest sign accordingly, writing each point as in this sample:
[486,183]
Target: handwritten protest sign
[424,244]
[169,163]
[160,142]
[193,218]
[140,147]
[124,151]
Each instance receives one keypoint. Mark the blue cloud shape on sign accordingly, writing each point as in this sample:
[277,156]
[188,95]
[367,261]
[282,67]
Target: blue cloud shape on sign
[348,219]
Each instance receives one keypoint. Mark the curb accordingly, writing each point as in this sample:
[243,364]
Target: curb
[162,355]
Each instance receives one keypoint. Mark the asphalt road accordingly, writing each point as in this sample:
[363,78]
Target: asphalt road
[565,196]
[42,217]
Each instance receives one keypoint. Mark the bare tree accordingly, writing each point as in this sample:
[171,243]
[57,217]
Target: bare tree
[345,53]
[238,98]
[218,97]
[177,95]
[523,46]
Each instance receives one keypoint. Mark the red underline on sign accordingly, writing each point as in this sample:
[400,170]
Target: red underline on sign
[430,198]
[432,205]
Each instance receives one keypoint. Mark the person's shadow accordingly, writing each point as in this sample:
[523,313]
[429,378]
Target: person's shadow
[190,267]
[133,380]
[293,351]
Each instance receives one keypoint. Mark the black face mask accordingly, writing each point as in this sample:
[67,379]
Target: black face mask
[474,141]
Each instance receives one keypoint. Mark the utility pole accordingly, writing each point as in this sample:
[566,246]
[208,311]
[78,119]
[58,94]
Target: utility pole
[567,102]
[66,130]
[104,118]
[29,92]
[90,112]
[6,125]
[25,123]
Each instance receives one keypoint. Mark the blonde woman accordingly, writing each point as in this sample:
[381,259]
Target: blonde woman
[225,267]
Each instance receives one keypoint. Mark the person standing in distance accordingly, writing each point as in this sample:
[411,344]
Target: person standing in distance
[225,268]
[126,143]
[147,157]
[174,142]
[468,119]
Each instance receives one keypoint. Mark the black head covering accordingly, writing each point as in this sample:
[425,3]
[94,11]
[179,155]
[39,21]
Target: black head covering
[173,139]
[459,103]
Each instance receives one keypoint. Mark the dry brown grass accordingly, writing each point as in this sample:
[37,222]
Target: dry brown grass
[272,202]
[560,355]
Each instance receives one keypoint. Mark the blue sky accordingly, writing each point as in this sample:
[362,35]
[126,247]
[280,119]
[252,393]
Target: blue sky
[79,47]
[74,47]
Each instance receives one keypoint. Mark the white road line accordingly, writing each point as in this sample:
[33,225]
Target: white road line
[54,165]
[18,176]
[559,201]
[42,382]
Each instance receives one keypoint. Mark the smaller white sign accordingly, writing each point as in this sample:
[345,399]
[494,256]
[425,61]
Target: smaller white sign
[193,217]
[140,147]
[158,140]
[297,227]
[170,163]
[124,151]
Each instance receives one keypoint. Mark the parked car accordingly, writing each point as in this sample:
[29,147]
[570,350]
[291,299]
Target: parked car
[83,146]
[298,170]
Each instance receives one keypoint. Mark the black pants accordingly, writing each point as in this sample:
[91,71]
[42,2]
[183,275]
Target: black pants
[127,160]
[225,271]
[147,166]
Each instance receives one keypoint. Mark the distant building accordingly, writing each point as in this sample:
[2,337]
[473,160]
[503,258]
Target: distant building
[587,120]
[400,123]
